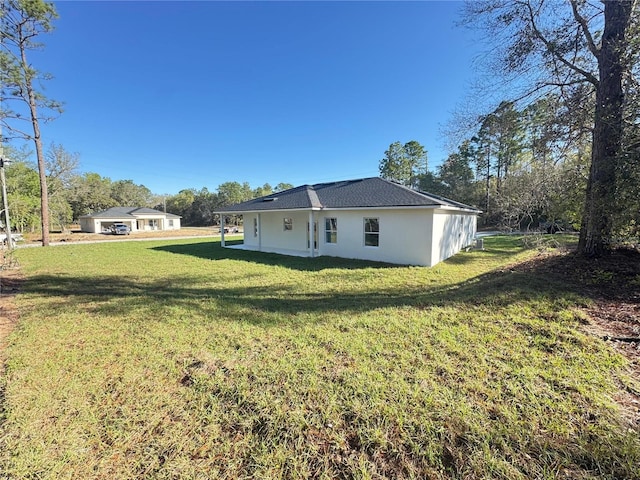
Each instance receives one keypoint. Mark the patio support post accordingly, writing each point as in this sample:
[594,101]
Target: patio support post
[312,234]
[222,229]
[259,233]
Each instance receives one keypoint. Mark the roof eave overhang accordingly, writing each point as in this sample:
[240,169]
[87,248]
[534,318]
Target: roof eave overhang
[326,209]
[114,217]
[386,207]
[409,207]
[459,209]
[240,212]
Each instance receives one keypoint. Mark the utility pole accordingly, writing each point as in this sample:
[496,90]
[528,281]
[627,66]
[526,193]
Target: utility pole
[5,202]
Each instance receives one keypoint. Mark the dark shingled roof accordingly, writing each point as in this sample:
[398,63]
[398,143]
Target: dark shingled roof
[371,192]
[129,212]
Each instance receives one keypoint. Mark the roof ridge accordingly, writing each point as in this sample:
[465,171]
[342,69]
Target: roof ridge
[336,182]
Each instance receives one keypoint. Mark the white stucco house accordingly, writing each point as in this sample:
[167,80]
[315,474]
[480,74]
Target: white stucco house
[137,218]
[367,219]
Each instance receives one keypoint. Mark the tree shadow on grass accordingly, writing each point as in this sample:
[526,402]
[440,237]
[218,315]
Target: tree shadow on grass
[272,303]
[214,251]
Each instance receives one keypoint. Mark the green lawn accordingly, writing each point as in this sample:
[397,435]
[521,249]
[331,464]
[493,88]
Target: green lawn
[180,359]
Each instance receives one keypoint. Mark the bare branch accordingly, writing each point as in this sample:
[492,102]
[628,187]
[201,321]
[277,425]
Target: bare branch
[554,52]
[585,29]
[22,134]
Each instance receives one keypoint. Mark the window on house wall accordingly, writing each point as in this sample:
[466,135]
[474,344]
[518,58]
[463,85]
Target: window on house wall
[153,223]
[371,232]
[171,223]
[255,227]
[288,224]
[331,230]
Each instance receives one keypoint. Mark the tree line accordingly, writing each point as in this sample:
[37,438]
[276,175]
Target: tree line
[524,168]
[196,207]
[72,194]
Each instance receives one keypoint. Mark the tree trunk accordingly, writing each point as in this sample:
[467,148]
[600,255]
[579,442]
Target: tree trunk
[488,179]
[596,228]
[42,168]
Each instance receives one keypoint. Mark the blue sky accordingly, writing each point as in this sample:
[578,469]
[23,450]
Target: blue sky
[176,95]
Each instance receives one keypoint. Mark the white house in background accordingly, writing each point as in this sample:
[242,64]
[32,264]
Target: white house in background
[367,219]
[138,219]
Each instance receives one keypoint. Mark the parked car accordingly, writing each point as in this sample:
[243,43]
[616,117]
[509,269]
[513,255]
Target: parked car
[120,229]
[558,226]
[16,237]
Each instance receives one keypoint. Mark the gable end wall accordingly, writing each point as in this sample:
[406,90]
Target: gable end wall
[452,232]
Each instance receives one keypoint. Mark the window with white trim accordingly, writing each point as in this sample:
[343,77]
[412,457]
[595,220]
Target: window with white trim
[371,232]
[255,226]
[331,230]
[288,224]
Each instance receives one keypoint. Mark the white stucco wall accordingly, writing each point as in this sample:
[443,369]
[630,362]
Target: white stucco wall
[272,236]
[404,235]
[175,226]
[248,233]
[407,236]
[452,231]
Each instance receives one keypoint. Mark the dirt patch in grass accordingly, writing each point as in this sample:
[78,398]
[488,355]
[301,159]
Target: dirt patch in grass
[612,282]
[79,236]
[10,282]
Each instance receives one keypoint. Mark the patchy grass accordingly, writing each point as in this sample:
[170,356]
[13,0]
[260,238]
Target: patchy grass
[183,360]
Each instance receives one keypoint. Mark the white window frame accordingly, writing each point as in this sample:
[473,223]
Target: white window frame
[371,234]
[287,224]
[329,232]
